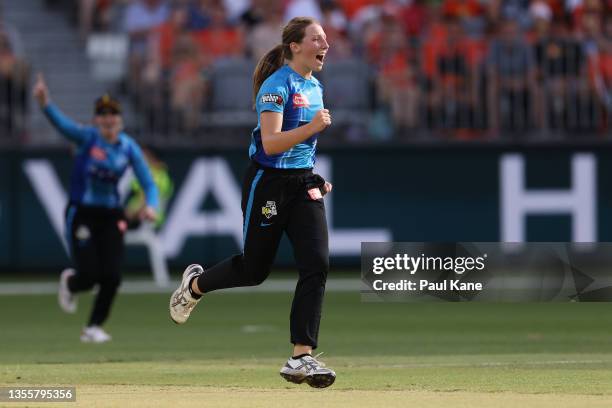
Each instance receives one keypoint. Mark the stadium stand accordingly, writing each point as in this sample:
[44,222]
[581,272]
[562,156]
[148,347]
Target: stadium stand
[397,71]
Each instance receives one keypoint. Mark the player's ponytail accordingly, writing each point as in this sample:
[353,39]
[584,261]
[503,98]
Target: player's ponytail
[294,31]
[273,60]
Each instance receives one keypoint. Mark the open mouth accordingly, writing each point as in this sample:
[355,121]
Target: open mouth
[320,58]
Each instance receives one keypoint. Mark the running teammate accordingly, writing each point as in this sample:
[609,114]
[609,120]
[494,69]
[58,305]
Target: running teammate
[95,221]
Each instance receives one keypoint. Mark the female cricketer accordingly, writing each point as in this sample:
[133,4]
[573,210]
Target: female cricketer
[281,194]
[95,221]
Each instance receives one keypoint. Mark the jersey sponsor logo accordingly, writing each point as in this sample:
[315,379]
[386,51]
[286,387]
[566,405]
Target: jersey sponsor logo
[97,153]
[269,210]
[300,101]
[272,98]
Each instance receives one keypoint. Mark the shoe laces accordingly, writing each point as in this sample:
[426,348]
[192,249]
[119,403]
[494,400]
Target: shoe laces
[186,301]
[313,363]
[322,364]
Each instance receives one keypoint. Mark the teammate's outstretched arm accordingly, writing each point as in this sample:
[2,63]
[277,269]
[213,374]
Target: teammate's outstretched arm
[143,175]
[275,141]
[66,126]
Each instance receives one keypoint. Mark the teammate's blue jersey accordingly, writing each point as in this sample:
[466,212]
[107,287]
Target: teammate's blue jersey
[298,99]
[99,164]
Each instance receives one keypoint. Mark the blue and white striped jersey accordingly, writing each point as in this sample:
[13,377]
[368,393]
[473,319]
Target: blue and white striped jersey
[99,165]
[298,99]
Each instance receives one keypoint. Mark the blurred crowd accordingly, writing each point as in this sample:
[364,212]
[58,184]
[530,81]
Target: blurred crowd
[14,82]
[465,69]
[469,68]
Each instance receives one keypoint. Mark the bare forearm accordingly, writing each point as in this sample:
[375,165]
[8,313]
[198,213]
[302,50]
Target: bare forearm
[280,142]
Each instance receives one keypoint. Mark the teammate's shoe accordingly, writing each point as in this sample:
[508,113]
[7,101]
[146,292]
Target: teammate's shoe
[94,334]
[181,301]
[309,370]
[65,298]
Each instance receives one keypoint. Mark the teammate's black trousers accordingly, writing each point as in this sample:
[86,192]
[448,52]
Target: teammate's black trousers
[276,201]
[96,244]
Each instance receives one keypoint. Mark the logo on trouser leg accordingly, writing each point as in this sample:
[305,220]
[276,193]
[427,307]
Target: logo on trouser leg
[82,233]
[269,210]
[122,226]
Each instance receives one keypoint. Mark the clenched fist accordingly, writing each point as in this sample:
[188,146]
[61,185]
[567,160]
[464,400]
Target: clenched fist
[321,120]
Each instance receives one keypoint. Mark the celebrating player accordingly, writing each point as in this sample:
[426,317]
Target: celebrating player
[95,221]
[281,194]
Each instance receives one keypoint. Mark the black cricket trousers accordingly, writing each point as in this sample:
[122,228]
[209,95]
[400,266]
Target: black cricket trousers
[276,201]
[96,243]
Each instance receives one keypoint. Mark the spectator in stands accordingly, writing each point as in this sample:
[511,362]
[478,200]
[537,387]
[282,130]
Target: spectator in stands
[352,8]
[389,52]
[583,9]
[255,13]
[13,36]
[541,16]
[156,73]
[264,35]
[163,38]
[93,14]
[499,10]
[511,76]
[455,77]
[470,13]
[375,28]
[300,8]
[14,77]
[199,14]
[558,8]
[589,29]
[451,72]
[414,19]
[559,61]
[365,20]
[187,86]
[335,25]
[586,18]
[234,9]
[220,39]
[142,17]
[600,67]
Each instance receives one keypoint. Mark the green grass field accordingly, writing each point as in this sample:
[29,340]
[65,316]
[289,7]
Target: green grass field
[391,355]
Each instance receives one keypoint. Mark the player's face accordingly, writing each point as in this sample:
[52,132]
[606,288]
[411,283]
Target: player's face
[110,125]
[310,53]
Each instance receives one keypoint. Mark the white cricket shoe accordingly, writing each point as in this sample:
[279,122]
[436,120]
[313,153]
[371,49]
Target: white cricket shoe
[308,369]
[181,301]
[94,334]
[65,298]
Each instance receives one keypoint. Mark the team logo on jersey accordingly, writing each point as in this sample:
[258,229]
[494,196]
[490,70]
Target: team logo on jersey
[269,209]
[97,153]
[300,101]
[272,98]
